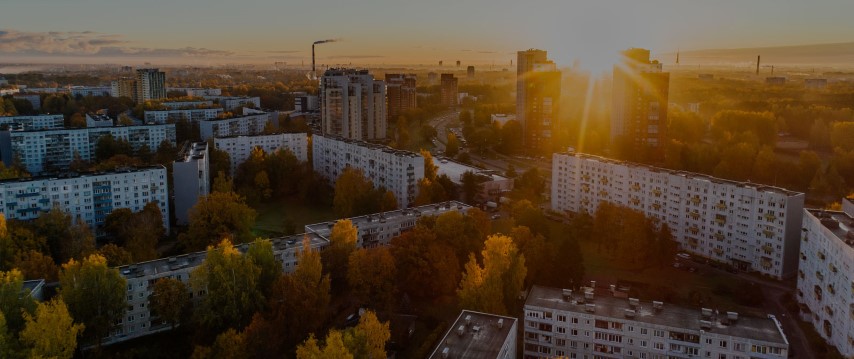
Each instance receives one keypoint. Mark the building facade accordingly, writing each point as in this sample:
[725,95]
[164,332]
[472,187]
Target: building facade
[124,87]
[537,98]
[90,197]
[150,85]
[826,276]
[449,90]
[196,91]
[639,107]
[247,124]
[239,148]
[190,178]
[230,103]
[191,115]
[183,104]
[398,171]
[401,93]
[751,226]
[476,335]
[54,149]
[352,105]
[560,323]
[37,122]
[84,91]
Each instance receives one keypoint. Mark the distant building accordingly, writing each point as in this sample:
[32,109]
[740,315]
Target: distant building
[815,83]
[239,148]
[190,178]
[449,91]
[150,85]
[124,87]
[3,81]
[775,80]
[304,102]
[825,276]
[230,103]
[751,226]
[639,107]
[396,170]
[90,197]
[494,184]
[561,323]
[432,77]
[54,149]
[196,91]
[250,123]
[470,72]
[34,99]
[98,120]
[501,118]
[401,94]
[190,115]
[476,335]
[352,105]
[37,122]
[187,104]
[537,98]
[84,91]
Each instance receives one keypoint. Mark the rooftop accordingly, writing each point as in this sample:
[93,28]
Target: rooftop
[69,174]
[454,170]
[482,336]
[689,175]
[323,229]
[369,145]
[192,151]
[264,135]
[840,224]
[65,129]
[604,305]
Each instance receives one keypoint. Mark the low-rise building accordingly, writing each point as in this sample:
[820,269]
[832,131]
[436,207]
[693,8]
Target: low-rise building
[826,276]
[748,225]
[589,324]
[54,149]
[252,122]
[98,120]
[196,91]
[37,122]
[34,99]
[190,115]
[476,335]
[493,183]
[815,83]
[395,170]
[232,102]
[304,102]
[186,104]
[84,91]
[191,179]
[90,197]
[239,148]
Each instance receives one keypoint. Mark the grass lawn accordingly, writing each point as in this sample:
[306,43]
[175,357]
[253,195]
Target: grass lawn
[273,215]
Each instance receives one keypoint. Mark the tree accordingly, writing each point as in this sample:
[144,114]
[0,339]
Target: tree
[229,345]
[368,339]
[36,265]
[51,333]
[65,240]
[77,120]
[12,304]
[426,267]
[222,183]
[219,215]
[494,286]
[511,137]
[765,166]
[452,147]
[6,338]
[350,188]
[342,242]
[472,186]
[169,300]
[371,276]
[511,171]
[230,280]
[260,252]
[333,349]
[842,135]
[115,255]
[95,294]
[430,169]
[389,202]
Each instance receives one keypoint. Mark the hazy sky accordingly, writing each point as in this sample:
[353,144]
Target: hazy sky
[403,31]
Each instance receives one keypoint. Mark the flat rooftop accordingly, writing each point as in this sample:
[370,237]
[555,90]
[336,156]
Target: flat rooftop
[454,170]
[372,146]
[764,329]
[325,228]
[482,337]
[839,223]
[69,174]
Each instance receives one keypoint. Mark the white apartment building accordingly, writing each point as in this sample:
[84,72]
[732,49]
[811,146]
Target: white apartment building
[250,123]
[826,276]
[84,91]
[150,85]
[191,115]
[98,120]
[476,335]
[196,91]
[751,226]
[54,149]
[560,323]
[181,105]
[232,102]
[239,148]
[191,179]
[398,171]
[352,105]
[37,122]
[87,196]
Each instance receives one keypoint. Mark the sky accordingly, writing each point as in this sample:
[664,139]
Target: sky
[481,32]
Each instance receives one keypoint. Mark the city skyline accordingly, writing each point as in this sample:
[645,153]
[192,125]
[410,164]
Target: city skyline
[589,32]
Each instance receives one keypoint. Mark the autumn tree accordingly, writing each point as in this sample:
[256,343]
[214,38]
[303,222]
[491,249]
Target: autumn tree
[12,304]
[115,255]
[426,267]
[36,265]
[452,147]
[493,286]
[169,300]
[368,339]
[350,189]
[371,276]
[461,232]
[430,169]
[343,241]
[95,294]
[230,281]
[51,332]
[66,239]
[219,215]
[139,233]
[260,252]
[333,348]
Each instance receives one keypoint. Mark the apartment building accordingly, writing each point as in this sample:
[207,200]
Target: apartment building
[86,196]
[54,149]
[252,122]
[37,122]
[191,115]
[538,86]
[150,85]
[750,226]
[401,94]
[493,184]
[186,104]
[196,91]
[449,92]
[476,335]
[191,179]
[826,276]
[230,103]
[590,324]
[398,171]
[239,148]
[378,229]
[124,87]
[304,102]
[84,91]
[352,105]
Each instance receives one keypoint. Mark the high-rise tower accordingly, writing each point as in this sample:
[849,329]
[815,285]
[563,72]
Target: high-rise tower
[537,98]
[401,93]
[150,85]
[352,105]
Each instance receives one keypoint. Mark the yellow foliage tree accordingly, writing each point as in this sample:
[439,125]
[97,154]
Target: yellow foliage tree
[51,333]
[493,286]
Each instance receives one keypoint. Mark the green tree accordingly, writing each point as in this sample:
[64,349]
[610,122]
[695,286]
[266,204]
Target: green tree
[230,281]
[471,185]
[494,286]
[95,294]
[371,276]
[219,215]
[342,242]
[7,340]
[51,333]
[12,304]
[169,300]
[66,239]
[229,345]
[260,252]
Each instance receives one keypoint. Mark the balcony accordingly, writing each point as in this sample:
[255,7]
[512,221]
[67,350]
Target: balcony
[721,206]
